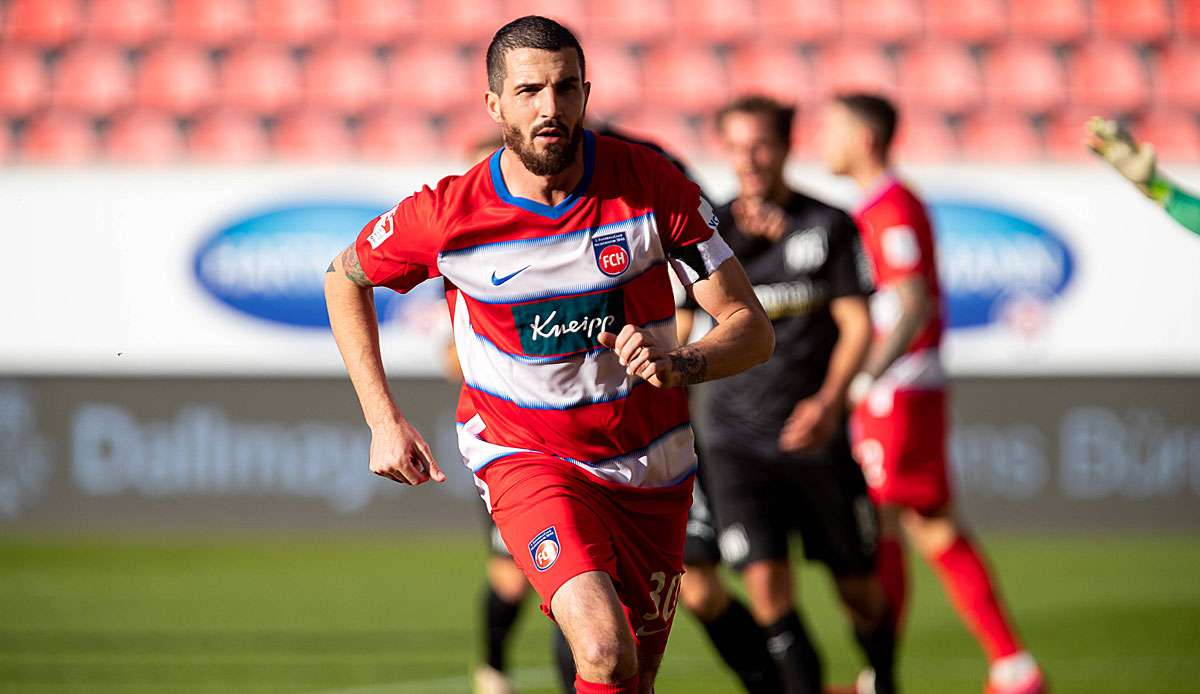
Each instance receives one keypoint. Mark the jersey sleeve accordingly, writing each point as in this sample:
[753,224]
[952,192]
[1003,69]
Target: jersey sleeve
[398,249]
[687,225]
[896,248]
[849,268]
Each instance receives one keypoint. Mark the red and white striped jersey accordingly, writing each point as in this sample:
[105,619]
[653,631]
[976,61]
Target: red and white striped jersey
[530,288]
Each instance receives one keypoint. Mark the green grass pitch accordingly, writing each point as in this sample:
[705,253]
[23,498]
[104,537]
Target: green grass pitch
[398,615]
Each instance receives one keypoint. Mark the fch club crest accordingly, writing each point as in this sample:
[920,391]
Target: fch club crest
[544,549]
[612,253]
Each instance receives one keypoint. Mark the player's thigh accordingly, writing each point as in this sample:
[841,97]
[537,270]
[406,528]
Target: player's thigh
[702,591]
[753,516]
[593,620]
[836,518]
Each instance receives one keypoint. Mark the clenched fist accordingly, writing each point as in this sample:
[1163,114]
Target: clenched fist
[660,367]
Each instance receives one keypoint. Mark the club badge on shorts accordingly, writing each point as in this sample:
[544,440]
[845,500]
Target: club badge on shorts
[544,549]
[612,252]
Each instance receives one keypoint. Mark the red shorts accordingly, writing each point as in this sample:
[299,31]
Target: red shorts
[559,521]
[902,449]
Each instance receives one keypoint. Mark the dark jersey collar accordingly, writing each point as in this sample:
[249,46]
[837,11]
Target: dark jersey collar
[564,205]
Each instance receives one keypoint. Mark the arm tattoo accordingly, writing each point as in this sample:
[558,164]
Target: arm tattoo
[353,268]
[691,365]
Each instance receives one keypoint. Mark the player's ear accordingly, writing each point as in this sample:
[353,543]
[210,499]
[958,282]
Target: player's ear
[587,94]
[491,101]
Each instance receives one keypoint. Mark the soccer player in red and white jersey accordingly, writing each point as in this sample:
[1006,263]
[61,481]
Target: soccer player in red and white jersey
[899,397]
[554,254]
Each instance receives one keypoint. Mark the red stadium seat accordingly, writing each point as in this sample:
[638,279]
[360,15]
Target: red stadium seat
[260,78]
[400,135]
[211,22]
[941,76]
[717,21]
[1023,76]
[22,80]
[45,23]
[1065,134]
[6,143]
[1187,17]
[686,77]
[433,78]
[293,22]
[1173,133]
[847,67]
[885,21]
[812,21]
[571,13]
[924,137]
[1000,137]
[668,128]
[1058,21]
[1146,21]
[631,21]
[616,80]
[176,78]
[144,137]
[93,79]
[312,136]
[228,136]
[377,21]
[775,70]
[344,78]
[464,21]
[1107,76]
[971,21]
[127,22]
[59,138]
[1177,79]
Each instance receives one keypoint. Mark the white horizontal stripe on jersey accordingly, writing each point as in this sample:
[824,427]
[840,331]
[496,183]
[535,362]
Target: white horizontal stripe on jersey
[477,453]
[550,266]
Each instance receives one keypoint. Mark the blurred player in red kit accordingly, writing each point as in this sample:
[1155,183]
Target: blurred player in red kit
[555,255]
[898,426]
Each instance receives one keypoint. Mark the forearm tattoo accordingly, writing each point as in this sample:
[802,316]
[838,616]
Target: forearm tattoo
[691,365]
[353,268]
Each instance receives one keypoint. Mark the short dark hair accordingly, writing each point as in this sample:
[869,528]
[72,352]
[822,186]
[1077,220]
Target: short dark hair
[780,116]
[877,113]
[531,31]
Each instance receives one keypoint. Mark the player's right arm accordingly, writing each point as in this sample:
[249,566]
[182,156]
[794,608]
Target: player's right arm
[398,451]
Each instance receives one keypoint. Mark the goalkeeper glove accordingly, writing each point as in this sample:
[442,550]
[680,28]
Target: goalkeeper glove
[1133,160]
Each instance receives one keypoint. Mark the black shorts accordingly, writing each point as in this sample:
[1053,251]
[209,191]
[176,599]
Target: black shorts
[700,548]
[759,500]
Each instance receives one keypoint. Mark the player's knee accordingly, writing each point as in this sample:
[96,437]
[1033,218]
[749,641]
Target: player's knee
[932,532]
[507,580]
[702,593]
[605,658]
[769,585]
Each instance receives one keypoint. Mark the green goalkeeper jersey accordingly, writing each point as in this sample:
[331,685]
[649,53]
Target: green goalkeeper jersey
[1182,206]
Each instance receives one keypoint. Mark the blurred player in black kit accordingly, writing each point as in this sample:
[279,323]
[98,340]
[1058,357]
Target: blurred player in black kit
[779,457]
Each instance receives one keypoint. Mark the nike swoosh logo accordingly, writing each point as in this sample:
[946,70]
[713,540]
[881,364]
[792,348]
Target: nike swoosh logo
[643,631]
[497,281]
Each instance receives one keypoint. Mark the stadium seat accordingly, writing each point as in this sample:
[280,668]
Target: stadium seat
[685,77]
[399,135]
[846,67]
[1056,21]
[377,21]
[464,21]
[343,77]
[1065,134]
[260,78]
[970,21]
[717,21]
[1145,21]
[1177,79]
[1174,135]
[1023,76]
[175,78]
[924,137]
[292,22]
[312,135]
[631,21]
[668,128]
[812,21]
[228,136]
[884,21]
[940,76]
[616,80]
[43,23]
[59,137]
[93,79]
[1187,17]
[210,22]
[6,142]
[126,22]
[1107,76]
[778,71]
[144,137]
[22,80]
[571,13]
[1000,137]
[433,78]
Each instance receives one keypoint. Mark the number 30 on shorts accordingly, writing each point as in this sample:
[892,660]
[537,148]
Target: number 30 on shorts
[664,603]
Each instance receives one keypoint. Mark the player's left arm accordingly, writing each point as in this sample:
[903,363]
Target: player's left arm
[917,307]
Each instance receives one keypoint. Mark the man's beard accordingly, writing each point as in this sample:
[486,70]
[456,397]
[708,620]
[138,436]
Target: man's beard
[557,157]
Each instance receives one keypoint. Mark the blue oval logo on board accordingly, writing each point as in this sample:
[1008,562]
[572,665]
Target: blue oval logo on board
[995,266]
[271,264]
